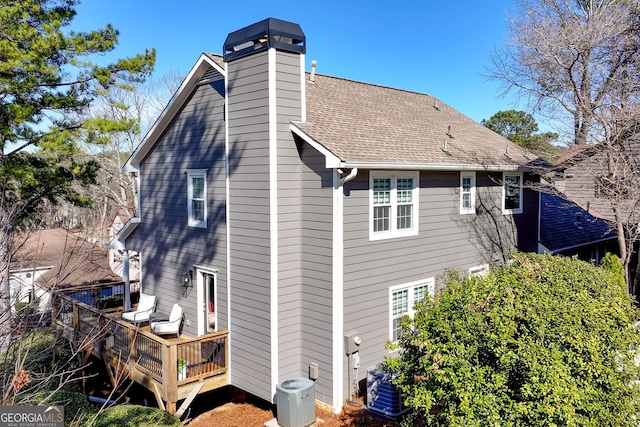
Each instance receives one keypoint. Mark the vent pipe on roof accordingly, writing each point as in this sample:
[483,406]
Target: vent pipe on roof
[312,76]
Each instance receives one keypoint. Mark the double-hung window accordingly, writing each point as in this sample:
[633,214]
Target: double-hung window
[467,192]
[402,300]
[394,205]
[197,197]
[512,192]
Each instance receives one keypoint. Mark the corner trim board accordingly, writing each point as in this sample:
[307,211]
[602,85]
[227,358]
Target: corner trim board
[273,217]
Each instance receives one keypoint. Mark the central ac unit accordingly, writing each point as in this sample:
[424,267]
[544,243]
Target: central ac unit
[295,401]
[382,396]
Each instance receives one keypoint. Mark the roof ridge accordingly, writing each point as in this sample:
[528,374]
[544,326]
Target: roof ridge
[380,86]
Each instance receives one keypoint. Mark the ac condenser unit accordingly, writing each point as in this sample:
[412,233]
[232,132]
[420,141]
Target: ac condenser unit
[295,400]
[382,396]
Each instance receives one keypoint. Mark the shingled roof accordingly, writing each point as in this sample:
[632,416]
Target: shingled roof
[73,261]
[372,124]
[565,225]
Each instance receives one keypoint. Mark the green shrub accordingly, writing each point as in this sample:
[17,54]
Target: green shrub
[136,416]
[541,341]
[612,264]
[77,408]
[21,306]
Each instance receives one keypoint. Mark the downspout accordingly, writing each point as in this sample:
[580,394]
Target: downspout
[352,174]
[338,287]
[125,277]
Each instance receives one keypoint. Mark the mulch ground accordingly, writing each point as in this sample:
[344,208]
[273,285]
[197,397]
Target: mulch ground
[234,414]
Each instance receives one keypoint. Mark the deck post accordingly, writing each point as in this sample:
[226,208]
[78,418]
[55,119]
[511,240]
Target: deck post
[133,353]
[170,376]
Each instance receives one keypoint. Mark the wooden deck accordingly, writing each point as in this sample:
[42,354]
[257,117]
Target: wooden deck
[135,352]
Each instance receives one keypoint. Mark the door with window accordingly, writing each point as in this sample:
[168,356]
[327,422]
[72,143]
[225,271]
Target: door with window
[207,319]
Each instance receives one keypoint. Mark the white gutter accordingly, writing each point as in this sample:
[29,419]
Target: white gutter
[432,166]
[333,161]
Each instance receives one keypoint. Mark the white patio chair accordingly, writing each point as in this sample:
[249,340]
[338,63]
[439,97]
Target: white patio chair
[171,326]
[146,306]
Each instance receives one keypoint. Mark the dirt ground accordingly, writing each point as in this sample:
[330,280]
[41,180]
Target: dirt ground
[240,414]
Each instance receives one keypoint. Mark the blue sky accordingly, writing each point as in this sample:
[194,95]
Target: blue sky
[434,47]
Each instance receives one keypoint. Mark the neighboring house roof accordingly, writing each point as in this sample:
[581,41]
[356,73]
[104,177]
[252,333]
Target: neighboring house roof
[119,212]
[368,124]
[575,154]
[73,261]
[564,225]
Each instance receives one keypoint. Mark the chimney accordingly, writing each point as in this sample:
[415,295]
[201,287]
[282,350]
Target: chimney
[281,35]
[265,93]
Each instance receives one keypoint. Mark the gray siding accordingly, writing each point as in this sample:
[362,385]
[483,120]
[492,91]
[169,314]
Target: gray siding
[168,247]
[289,107]
[317,269]
[579,184]
[249,250]
[446,239]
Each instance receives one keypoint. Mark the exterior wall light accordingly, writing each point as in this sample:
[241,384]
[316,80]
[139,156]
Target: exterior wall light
[186,280]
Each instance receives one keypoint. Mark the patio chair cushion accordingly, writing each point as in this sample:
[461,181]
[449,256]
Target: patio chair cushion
[146,306]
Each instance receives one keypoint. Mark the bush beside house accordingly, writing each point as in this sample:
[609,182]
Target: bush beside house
[541,341]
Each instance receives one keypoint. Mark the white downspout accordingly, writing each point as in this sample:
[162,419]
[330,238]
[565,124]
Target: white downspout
[352,174]
[125,277]
[338,286]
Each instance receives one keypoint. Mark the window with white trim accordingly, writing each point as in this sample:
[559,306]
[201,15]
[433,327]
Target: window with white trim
[394,204]
[402,299]
[512,192]
[479,270]
[467,192]
[197,197]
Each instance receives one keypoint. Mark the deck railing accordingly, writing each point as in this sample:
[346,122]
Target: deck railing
[171,368]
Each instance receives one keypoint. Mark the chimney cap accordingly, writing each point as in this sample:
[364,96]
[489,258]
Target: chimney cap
[271,32]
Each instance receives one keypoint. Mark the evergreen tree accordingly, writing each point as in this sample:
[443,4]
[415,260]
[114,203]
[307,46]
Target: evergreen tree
[48,79]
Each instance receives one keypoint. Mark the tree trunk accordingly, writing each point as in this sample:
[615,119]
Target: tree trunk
[6,243]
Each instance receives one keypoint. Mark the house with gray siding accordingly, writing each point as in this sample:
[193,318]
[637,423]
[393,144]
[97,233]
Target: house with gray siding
[306,208]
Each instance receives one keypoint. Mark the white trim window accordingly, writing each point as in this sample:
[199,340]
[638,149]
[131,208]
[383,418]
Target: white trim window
[512,192]
[402,299]
[197,197]
[393,204]
[467,193]
[479,270]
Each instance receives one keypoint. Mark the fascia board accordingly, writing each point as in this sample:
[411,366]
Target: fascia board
[568,248]
[432,166]
[331,160]
[175,104]
[118,242]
